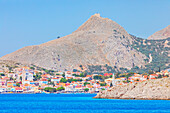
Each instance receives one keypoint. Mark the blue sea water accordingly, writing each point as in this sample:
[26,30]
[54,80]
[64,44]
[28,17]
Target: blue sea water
[77,103]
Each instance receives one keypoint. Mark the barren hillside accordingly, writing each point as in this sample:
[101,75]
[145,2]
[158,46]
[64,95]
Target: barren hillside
[98,41]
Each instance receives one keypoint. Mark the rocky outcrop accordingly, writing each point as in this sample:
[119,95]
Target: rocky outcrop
[98,41]
[158,89]
[162,34]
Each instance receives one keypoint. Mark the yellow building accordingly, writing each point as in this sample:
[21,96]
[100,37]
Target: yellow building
[9,84]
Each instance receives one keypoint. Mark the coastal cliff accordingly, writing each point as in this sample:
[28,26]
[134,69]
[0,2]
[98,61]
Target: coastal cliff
[158,89]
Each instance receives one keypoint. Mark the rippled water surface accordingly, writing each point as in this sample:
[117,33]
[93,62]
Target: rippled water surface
[76,103]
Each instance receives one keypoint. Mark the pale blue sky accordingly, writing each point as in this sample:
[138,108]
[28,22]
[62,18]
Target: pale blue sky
[32,22]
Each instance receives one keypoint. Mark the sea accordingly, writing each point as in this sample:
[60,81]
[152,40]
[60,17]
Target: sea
[77,103]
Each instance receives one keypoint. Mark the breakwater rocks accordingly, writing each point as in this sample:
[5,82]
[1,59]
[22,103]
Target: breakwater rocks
[158,89]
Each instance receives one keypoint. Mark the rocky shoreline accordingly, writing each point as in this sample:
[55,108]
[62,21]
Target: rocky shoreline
[158,89]
[132,98]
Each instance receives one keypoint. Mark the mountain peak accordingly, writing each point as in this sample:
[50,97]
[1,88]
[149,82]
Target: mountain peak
[98,24]
[162,34]
[98,41]
[96,14]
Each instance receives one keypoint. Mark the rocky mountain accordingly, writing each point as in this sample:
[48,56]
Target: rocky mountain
[99,41]
[158,89]
[162,34]
[7,65]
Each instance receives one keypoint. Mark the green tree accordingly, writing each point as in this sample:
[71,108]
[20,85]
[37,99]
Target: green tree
[50,89]
[117,75]
[127,81]
[111,85]
[97,77]
[86,89]
[82,75]
[85,83]
[160,76]
[49,79]
[2,74]
[103,89]
[17,84]
[34,78]
[51,83]
[102,84]
[63,80]
[60,88]
[32,68]
[38,76]
[11,78]
[21,78]
[63,75]
[75,75]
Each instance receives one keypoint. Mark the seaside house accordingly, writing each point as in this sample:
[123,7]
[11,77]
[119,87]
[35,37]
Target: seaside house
[8,89]
[13,75]
[145,77]
[2,82]
[78,88]
[69,89]
[5,78]
[153,76]
[36,89]
[43,81]
[13,89]
[109,80]
[88,77]
[44,76]
[32,82]
[62,84]
[18,89]
[3,89]
[26,82]
[18,78]
[10,83]
[29,76]
[166,72]
[1,72]
[121,79]
[55,80]
[136,77]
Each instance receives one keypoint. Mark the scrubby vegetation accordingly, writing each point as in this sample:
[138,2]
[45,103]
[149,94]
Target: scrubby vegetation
[154,48]
[51,90]
[100,69]
[63,80]
[158,51]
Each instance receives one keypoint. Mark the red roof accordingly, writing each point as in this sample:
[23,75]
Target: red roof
[145,76]
[154,74]
[55,78]
[108,74]
[18,88]
[44,79]
[88,76]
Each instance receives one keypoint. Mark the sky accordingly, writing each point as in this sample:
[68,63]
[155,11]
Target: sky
[32,22]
